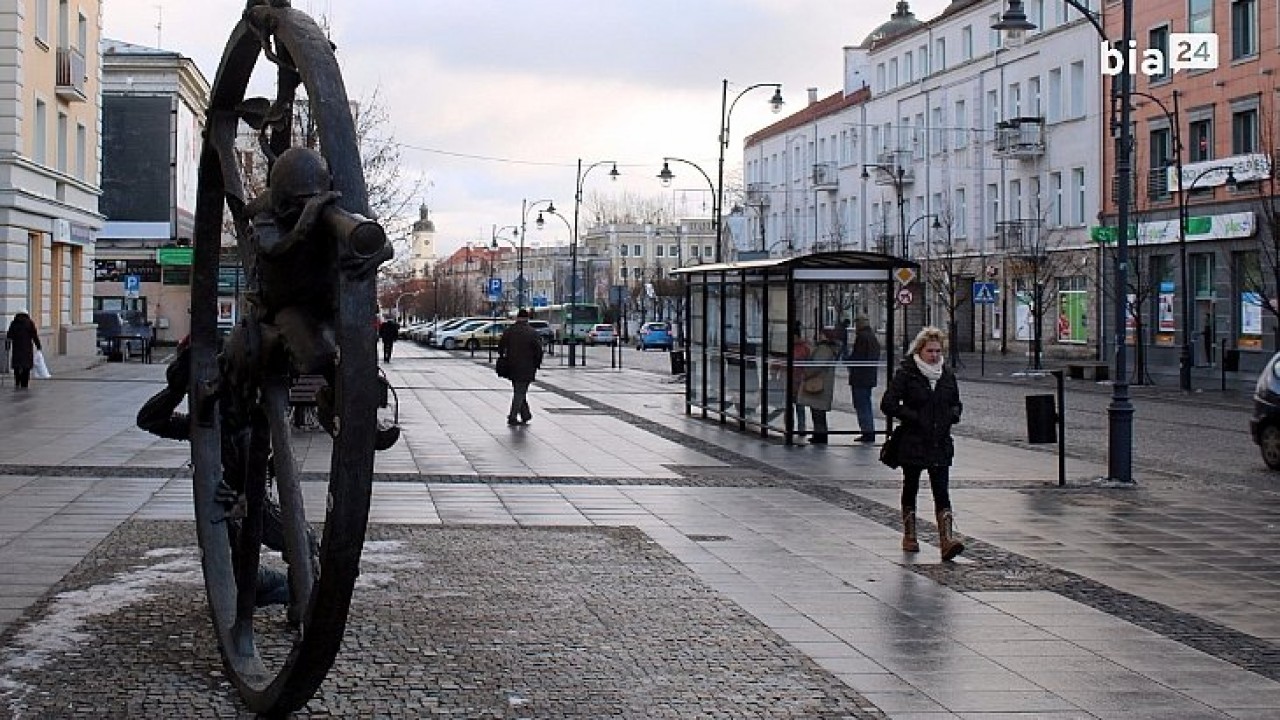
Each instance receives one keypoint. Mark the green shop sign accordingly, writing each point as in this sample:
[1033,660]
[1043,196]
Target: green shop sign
[175,256]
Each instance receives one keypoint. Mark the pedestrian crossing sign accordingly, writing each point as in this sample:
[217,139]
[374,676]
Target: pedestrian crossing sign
[984,293]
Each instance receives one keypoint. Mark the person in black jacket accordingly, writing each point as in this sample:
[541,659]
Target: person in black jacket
[22,341]
[388,332]
[520,349]
[925,397]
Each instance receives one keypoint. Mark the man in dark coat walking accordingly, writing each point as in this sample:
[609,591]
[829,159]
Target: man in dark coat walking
[520,349]
[863,375]
[389,332]
[22,341]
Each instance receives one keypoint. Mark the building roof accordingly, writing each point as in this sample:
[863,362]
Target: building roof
[902,21]
[120,47]
[830,105]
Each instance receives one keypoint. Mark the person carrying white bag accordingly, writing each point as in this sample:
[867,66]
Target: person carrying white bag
[23,343]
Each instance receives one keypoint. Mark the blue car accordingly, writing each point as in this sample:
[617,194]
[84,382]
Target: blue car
[654,335]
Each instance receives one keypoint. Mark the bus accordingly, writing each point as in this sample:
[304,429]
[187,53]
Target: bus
[570,321]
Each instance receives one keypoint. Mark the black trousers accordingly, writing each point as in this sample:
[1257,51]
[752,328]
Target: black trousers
[939,479]
[21,378]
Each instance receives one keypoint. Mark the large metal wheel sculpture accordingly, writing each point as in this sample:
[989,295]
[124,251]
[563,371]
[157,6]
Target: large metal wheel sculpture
[247,484]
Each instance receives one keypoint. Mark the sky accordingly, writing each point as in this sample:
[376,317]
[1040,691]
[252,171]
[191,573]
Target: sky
[494,101]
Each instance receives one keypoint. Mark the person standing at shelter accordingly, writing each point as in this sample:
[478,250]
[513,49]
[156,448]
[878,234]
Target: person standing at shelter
[800,352]
[819,383]
[22,341]
[520,349]
[925,396]
[389,331]
[863,376]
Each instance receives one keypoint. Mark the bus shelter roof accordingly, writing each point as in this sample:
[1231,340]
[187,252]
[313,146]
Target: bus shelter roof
[841,260]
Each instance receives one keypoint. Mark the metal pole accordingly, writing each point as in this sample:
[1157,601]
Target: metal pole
[1120,412]
[573,269]
[718,196]
[1186,359]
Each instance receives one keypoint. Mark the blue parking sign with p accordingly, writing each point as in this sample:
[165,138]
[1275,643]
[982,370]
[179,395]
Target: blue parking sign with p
[132,284]
[495,286]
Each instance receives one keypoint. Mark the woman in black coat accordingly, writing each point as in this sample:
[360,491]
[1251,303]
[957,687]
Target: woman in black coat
[925,397]
[22,341]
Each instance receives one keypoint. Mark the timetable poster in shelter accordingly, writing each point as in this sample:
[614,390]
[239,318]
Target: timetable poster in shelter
[1164,318]
[1073,318]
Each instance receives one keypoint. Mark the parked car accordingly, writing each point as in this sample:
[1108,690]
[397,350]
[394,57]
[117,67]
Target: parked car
[448,339]
[112,327]
[444,326]
[546,333]
[654,335]
[1265,423]
[601,334]
[485,334]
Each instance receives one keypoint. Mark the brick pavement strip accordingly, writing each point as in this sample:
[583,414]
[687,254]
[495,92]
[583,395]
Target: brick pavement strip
[459,621]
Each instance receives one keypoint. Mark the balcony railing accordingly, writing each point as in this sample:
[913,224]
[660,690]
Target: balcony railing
[826,176]
[1157,184]
[1021,137]
[758,193]
[887,164]
[1133,189]
[70,79]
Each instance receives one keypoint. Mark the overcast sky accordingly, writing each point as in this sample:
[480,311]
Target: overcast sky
[496,100]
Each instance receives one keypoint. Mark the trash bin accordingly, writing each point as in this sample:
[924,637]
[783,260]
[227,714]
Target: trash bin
[1231,361]
[677,362]
[1042,419]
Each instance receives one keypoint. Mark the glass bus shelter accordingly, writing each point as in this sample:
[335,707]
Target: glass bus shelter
[741,354]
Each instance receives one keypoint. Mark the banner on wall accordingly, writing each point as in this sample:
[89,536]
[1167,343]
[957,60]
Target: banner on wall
[1073,317]
[1023,318]
[1250,313]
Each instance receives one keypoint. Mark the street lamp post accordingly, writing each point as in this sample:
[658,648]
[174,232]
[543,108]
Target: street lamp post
[399,314]
[526,207]
[726,110]
[1120,411]
[493,246]
[573,250]
[897,175]
[1185,355]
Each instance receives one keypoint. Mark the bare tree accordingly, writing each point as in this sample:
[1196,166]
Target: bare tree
[944,276]
[1259,268]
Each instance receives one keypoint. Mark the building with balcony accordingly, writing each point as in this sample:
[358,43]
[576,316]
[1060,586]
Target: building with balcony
[943,123]
[1206,122]
[49,181]
[153,105]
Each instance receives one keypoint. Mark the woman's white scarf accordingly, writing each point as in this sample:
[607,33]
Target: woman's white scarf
[932,373]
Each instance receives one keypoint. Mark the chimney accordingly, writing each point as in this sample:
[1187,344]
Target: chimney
[813,95]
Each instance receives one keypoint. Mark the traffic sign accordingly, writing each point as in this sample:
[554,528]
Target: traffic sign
[132,285]
[905,275]
[495,286]
[904,296]
[984,293]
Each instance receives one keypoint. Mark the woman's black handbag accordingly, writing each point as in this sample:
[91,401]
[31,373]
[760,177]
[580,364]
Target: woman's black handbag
[502,367]
[889,451]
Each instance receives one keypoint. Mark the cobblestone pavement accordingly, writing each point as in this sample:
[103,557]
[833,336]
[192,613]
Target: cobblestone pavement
[1074,602]
[468,622]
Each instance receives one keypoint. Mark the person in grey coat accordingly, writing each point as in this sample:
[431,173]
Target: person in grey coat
[819,383]
[22,341]
[863,376]
[925,397]
[520,349]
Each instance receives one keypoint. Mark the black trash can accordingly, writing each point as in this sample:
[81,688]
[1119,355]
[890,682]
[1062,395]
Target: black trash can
[1042,419]
[1231,361]
[677,362]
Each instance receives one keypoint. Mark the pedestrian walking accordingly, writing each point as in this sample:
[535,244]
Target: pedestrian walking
[819,382]
[925,397]
[22,341]
[800,353]
[863,376]
[389,331]
[520,352]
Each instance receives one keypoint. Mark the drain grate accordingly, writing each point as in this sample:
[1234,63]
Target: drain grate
[708,538]
[577,411]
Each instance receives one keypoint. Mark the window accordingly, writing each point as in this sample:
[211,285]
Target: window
[1055,94]
[1015,198]
[962,121]
[659,251]
[673,251]
[637,250]
[1200,16]
[42,21]
[64,24]
[1158,39]
[60,158]
[40,138]
[922,55]
[82,34]
[82,150]
[1035,13]
[1200,139]
[1055,199]
[1078,195]
[940,54]
[1033,194]
[880,77]
[893,72]
[993,208]
[706,251]
[1244,28]
[622,250]
[940,135]
[960,213]
[1033,96]
[908,68]
[966,43]
[1013,101]
[623,273]
[1202,275]
[1076,80]
[1244,131]
[1160,155]
[993,108]
[993,35]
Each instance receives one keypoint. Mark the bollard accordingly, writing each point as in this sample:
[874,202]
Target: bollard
[677,362]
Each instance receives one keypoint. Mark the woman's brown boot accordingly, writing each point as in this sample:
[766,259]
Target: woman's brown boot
[909,542]
[947,541]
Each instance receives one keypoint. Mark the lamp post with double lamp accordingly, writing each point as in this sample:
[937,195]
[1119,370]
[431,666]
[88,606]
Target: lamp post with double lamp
[573,251]
[399,313]
[726,111]
[923,281]
[1120,411]
[541,223]
[1186,356]
[526,207]
[493,246]
[897,175]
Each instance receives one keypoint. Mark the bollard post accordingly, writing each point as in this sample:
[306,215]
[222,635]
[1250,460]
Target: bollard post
[1062,427]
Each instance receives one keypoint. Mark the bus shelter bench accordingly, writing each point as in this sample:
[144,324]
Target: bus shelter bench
[303,393]
[1091,369]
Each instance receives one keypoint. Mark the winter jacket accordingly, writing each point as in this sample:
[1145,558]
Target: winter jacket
[389,331]
[926,414]
[819,381]
[522,347]
[22,341]
[866,348]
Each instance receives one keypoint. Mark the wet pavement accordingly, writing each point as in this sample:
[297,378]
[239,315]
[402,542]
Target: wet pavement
[772,571]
